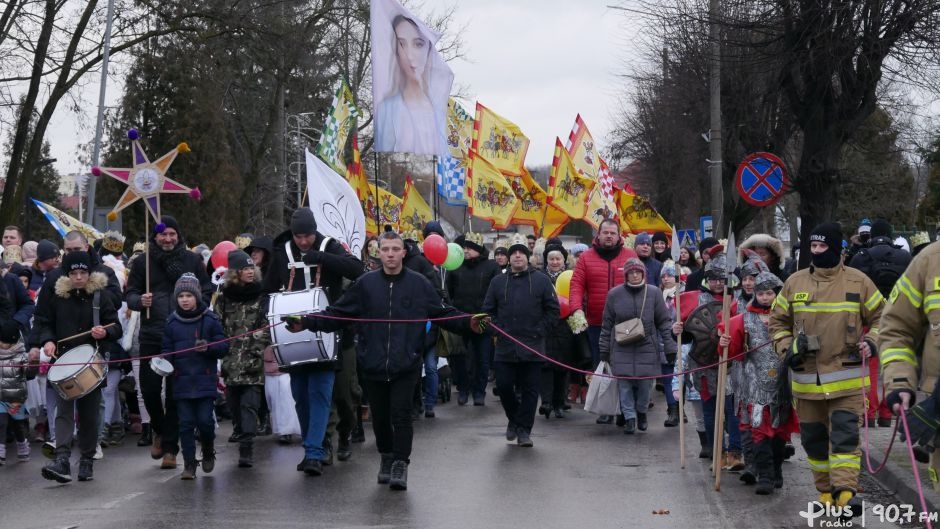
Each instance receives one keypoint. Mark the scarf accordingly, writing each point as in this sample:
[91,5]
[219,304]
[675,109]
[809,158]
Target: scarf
[171,261]
[608,254]
[190,316]
[242,292]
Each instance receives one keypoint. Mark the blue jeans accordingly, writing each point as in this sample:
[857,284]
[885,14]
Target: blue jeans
[195,413]
[431,380]
[668,369]
[313,394]
[629,406]
[594,339]
[731,422]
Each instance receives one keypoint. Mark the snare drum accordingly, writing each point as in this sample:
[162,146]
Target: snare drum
[85,372]
[304,347]
[161,366]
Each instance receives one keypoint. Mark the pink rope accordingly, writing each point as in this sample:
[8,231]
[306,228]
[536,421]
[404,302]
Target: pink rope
[910,453]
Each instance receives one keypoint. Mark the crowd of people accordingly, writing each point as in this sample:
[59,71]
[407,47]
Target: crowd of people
[402,330]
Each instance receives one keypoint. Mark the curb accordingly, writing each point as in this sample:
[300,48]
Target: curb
[900,481]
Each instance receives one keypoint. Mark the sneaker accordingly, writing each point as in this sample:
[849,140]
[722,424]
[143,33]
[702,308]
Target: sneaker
[523,440]
[302,464]
[86,471]
[358,434]
[328,447]
[605,419]
[511,432]
[313,467]
[385,469]
[156,448]
[462,398]
[48,449]
[22,451]
[428,414]
[479,400]
[630,427]
[735,462]
[641,423]
[399,475]
[189,470]
[169,461]
[285,439]
[59,470]
[99,453]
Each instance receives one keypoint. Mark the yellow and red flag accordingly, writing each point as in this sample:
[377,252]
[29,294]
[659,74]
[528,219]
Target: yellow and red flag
[499,141]
[638,214]
[415,212]
[534,209]
[490,196]
[583,150]
[567,188]
[555,221]
[389,205]
[459,130]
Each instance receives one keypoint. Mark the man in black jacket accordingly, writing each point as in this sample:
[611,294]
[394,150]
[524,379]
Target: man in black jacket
[522,303]
[389,354]
[312,383]
[76,307]
[466,287]
[169,259]
[75,241]
[883,261]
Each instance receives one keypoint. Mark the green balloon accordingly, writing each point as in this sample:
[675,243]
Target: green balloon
[454,256]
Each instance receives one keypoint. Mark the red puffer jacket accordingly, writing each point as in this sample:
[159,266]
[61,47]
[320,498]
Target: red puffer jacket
[593,278]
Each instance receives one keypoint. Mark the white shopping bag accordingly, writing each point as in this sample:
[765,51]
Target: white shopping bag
[603,397]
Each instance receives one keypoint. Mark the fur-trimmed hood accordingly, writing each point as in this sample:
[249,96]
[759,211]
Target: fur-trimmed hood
[762,240]
[96,281]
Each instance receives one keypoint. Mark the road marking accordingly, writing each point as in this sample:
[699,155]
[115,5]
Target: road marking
[113,503]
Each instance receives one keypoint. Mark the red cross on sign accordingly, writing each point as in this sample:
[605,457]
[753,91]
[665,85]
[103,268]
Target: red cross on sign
[761,179]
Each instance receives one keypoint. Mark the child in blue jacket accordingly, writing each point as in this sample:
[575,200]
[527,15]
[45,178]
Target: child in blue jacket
[195,372]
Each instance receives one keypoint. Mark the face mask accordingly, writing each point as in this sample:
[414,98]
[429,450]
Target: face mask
[827,259]
[864,237]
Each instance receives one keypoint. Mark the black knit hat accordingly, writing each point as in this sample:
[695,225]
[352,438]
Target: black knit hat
[554,247]
[829,233]
[881,228]
[238,260]
[660,236]
[302,222]
[707,243]
[433,227]
[46,250]
[170,222]
[187,283]
[9,331]
[76,261]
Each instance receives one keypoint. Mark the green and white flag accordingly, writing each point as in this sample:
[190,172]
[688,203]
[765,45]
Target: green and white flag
[339,122]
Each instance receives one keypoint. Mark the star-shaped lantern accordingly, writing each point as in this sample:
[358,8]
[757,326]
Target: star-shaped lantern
[146,180]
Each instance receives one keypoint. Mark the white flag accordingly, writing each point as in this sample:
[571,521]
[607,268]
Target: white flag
[335,206]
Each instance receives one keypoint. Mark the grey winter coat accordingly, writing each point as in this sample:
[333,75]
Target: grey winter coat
[13,379]
[642,358]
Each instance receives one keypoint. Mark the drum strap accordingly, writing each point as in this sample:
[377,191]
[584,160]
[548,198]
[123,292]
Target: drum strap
[294,265]
[96,308]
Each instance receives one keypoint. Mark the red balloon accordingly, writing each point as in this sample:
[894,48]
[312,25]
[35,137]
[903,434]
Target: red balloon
[565,306]
[435,249]
[220,253]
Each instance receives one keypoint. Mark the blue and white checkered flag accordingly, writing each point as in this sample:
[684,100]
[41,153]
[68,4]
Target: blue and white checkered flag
[452,180]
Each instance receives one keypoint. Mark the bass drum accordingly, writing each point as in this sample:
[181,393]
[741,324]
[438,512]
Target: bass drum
[702,325]
[292,349]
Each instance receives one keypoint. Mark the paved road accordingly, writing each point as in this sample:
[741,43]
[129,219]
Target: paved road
[463,474]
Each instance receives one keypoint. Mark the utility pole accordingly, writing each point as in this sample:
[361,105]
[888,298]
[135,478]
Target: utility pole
[99,122]
[714,133]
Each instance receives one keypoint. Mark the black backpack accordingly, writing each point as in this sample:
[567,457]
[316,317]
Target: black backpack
[887,268]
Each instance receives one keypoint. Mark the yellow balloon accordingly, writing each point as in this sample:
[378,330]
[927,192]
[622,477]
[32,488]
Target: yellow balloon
[563,283]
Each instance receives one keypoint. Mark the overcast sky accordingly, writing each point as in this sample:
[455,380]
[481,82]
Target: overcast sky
[536,62]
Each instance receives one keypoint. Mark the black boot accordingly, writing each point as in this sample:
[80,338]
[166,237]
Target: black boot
[344,450]
[358,434]
[385,469]
[672,416]
[58,470]
[621,421]
[779,449]
[706,452]
[545,410]
[398,480]
[246,454]
[208,456]
[641,423]
[328,448]
[86,470]
[749,474]
[764,462]
[189,470]
[145,436]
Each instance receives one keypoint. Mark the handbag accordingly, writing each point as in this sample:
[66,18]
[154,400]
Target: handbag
[631,331]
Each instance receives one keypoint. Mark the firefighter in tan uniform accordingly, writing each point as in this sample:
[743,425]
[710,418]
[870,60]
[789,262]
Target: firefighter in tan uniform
[817,325]
[910,348]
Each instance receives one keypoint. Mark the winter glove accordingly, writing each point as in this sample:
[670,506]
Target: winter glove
[895,398]
[313,257]
[294,323]
[478,322]
[798,352]
[923,423]
[577,322]
[201,345]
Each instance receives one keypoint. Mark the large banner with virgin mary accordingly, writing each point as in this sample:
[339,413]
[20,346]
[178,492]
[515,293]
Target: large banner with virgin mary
[410,83]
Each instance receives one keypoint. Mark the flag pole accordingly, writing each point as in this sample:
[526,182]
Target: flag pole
[679,359]
[375,158]
[435,199]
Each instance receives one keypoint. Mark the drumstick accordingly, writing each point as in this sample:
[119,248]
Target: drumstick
[79,335]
